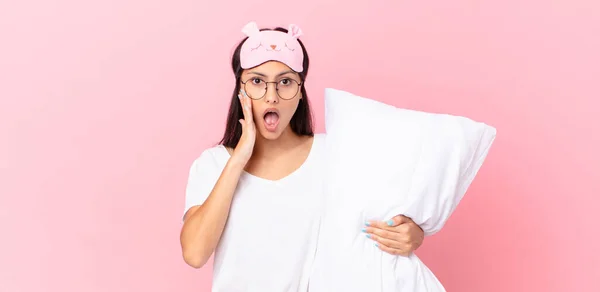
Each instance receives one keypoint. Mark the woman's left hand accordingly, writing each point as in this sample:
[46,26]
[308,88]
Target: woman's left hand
[398,236]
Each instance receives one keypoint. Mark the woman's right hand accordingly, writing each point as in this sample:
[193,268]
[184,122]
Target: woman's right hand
[245,147]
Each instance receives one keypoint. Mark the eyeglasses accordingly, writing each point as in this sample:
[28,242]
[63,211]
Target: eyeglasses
[286,88]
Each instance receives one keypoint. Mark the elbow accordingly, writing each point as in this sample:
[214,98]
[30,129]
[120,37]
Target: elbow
[196,264]
[194,260]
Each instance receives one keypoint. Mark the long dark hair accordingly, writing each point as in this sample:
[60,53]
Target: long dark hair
[301,122]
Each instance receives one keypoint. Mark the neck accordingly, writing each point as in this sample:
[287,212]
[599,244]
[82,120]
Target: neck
[265,148]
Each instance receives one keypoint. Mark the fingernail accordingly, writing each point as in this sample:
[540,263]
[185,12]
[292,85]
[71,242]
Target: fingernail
[364,230]
[367,223]
[390,222]
[376,244]
[368,235]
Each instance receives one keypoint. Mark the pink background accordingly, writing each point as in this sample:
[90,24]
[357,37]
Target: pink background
[104,104]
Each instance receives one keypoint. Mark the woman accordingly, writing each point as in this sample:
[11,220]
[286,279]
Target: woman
[256,198]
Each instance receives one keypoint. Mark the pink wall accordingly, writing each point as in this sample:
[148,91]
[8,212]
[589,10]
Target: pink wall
[104,104]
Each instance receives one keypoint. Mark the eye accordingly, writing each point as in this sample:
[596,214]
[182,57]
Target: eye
[256,81]
[289,48]
[285,81]
[259,45]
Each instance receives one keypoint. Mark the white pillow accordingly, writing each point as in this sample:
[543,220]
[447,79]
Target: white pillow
[384,161]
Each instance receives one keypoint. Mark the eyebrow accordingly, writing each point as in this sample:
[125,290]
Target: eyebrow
[264,75]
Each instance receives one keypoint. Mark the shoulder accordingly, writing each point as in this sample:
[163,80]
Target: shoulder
[319,143]
[320,140]
[320,137]
[210,158]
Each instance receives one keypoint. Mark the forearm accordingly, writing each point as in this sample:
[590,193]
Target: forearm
[202,229]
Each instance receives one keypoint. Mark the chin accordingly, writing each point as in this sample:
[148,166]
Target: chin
[268,135]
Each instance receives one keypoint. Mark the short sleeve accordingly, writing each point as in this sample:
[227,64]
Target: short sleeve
[203,176]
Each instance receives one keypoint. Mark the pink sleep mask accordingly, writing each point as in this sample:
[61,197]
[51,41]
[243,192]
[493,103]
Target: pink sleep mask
[270,45]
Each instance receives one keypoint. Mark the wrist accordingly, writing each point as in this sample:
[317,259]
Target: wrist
[236,162]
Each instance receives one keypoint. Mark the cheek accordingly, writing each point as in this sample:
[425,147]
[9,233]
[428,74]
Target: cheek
[291,108]
[255,109]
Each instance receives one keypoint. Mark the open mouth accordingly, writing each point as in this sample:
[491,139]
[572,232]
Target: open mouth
[271,119]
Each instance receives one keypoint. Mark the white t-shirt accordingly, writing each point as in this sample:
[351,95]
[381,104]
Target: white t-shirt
[270,237]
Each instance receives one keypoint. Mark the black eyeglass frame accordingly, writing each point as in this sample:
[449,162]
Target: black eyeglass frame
[276,88]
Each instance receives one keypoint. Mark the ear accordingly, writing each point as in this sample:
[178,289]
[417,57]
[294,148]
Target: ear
[251,29]
[294,31]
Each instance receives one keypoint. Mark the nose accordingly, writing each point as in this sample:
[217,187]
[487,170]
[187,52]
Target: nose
[271,95]
[273,47]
